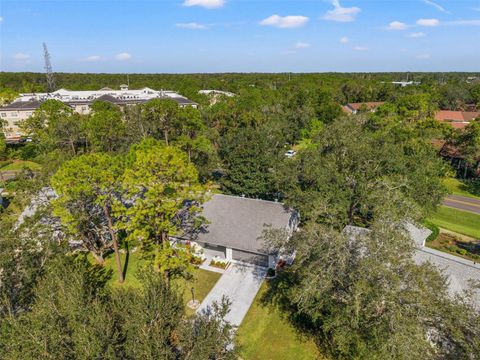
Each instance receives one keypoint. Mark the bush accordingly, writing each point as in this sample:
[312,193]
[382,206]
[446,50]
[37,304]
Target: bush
[270,272]
[434,228]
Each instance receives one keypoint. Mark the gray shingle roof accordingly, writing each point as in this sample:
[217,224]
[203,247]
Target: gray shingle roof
[460,272]
[22,105]
[238,223]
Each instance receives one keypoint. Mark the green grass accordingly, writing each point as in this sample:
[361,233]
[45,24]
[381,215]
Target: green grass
[202,281]
[462,222]
[457,187]
[20,165]
[265,334]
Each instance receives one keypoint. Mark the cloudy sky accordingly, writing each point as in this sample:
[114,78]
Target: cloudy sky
[241,35]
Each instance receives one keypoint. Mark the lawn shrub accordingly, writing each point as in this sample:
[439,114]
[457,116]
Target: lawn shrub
[434,228]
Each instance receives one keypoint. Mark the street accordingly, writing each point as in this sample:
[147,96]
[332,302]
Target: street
[463,203]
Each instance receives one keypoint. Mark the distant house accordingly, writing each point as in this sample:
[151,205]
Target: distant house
[235,228]
[459,271]
[354,108]
[457,119]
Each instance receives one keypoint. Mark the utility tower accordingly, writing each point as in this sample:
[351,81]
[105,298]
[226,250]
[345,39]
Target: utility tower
[48,69]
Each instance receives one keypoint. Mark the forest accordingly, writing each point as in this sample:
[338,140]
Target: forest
[133,177]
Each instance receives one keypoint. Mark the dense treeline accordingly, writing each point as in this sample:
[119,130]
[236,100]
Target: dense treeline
[450,90]
[135,176]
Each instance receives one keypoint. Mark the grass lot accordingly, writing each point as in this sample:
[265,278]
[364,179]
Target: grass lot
[20,165]
[462,222]
[264,334]
[457,187]
[202,282]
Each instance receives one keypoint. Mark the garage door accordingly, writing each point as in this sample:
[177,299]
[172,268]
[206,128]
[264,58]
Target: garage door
[249,257]
[214,250]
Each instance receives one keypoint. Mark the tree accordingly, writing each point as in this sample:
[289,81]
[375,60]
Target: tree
[361,295]
[76,315]
[105,129]
[469,144]
[249,157]
[54,125]
[159,116]
[161,184]
[87,189]
[351,174]
[416,107]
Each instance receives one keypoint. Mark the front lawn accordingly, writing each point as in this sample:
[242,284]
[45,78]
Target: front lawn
[20,165]
[266,334]
[202,281]
[462,222]
[457,187]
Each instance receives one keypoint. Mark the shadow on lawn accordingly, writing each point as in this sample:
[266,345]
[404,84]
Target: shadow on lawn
[278,294]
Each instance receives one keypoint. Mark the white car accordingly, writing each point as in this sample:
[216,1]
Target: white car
[290,153]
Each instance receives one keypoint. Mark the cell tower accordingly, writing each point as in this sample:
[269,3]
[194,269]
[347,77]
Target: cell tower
[48,69]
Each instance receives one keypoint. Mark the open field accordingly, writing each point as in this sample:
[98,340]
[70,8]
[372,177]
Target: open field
[462,222]
[265,334]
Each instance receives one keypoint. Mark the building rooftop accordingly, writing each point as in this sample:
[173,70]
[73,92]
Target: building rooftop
[460,272]
[238,222]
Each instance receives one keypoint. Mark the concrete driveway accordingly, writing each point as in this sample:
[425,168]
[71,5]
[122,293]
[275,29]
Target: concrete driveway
[240,283]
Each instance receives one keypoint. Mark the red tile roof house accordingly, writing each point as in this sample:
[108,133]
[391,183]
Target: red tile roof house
[457,119]
[353,108]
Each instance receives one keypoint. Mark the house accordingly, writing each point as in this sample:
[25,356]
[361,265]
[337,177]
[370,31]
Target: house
[236,225]
[457,119]
[459,272]
[354,108]
[80,101]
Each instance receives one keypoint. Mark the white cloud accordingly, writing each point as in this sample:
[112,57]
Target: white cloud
[284,22]
[423,56]
[92,58]
[428,22]
[208,4]
[397,25]
[360,48]
[192,26]
[435,5]
[416,35]
[340,13]
[344,40]
[1,19]
[302,45]
[21,56]
[123,56]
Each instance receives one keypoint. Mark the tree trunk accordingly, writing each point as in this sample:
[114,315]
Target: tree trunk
[165,135]
[98,257]
[115,244]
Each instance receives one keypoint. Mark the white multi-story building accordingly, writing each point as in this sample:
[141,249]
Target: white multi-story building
[80,101]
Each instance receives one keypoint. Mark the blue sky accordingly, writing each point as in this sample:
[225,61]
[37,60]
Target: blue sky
[177,36]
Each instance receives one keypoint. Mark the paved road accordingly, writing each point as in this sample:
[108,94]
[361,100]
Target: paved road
[463,203]
[240,283]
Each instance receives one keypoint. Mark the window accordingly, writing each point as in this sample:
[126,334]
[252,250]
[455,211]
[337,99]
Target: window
[3,114]
[14,114]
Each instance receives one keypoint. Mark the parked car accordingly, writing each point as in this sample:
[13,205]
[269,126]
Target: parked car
[290,153]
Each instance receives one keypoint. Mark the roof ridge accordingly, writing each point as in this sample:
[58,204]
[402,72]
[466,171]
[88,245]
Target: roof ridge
[450,257]
[248,198]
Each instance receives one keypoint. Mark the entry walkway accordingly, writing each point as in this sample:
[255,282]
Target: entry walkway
[240,283]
